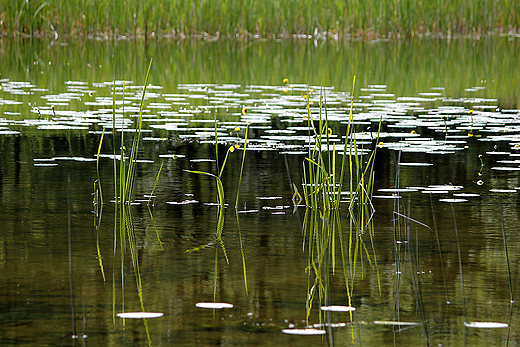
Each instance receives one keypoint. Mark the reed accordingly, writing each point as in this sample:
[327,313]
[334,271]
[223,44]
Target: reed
[282,18]
[222,203]
[325,180]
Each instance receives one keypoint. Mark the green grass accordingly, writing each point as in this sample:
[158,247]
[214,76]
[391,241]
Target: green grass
[325,179]
[258,17]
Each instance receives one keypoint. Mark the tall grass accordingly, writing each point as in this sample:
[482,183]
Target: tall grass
[258,17]
[326,180]
[124,177]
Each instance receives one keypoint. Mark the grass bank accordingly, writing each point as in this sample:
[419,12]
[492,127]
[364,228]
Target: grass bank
[260,18]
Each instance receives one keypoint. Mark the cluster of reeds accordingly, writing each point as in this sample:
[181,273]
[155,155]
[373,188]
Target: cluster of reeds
[256,17]
[124,169]
[325,182]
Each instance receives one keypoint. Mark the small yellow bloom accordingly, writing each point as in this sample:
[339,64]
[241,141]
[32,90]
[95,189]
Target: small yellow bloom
[480,182]
[53,107]
[237,129]
[330,131]
[285,80]
[380,144]
[237,146]
[517,146]
[412,132]
[470,135]
[291,86]
[286,91]
[244,111]
[470,111]
[311,91]
[311,102]
[232,149]
[305,97]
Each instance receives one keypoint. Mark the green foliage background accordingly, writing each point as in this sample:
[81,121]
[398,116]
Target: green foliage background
[280,18]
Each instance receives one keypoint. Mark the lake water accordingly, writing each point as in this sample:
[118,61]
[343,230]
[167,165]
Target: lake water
[450,134]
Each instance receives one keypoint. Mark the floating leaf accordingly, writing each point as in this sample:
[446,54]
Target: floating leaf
[213,305]
[389,322]
[338,308]
[453,200]
[140,315]
[485,325]
[304,331]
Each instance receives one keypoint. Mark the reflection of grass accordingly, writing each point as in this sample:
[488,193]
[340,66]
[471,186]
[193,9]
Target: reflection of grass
[322,192]
[222,203]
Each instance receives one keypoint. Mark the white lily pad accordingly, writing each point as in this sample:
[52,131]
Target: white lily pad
[485,325]
[390,322]
[338,308]
[304,331]
[416,164]
[140,315]
[213,305]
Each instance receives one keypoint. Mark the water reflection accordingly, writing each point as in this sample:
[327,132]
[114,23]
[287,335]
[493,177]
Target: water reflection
[33,251]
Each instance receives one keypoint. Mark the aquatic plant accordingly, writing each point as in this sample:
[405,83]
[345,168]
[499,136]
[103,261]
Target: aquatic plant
[322,192]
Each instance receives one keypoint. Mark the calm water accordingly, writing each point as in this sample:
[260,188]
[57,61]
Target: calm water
[49,241]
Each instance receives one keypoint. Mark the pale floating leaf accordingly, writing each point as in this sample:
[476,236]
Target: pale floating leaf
[416,164]
[486,325]
[453,200]
[389,322]
[338,308]
[140,315]
[304,331]
[213,305]
[466,195]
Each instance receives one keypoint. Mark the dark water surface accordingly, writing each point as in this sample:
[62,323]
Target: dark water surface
[49,240]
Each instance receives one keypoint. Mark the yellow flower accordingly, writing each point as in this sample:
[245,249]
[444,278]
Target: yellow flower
[244,111]
[285,80]
[232,149]
[285,91]
[380,144]
[305,96]
[470,111]
[237,146]
[470,135]
[311,91]
[480,182]
[412,132]
[53,107]
[330,131]
[291,86]
[237,129]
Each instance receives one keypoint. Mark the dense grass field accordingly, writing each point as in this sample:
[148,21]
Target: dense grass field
[260,18]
